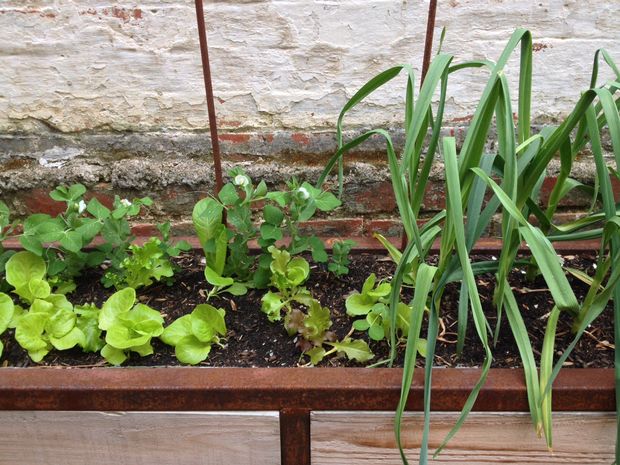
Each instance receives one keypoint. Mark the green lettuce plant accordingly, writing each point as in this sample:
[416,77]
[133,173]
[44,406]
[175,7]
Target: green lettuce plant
[373,304]
[147,263]
[287,276]
[50,320]
[193,335]
[7,309]
[129,326]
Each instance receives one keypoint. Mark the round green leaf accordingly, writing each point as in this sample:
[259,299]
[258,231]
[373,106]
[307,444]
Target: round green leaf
[59,301]
[237,289]
[72,241]
[96,209]
[273,215]
[38,289]
[192,351]
[60,323]
[215,279]
[376,332]
[207,322]
[144,349]
[113,355]
[71,339]
[122,337]
[270,232]
[7,309]
[31,244]
[118,303]
[178,329]
[24,266]
[361,325]
[144,320]
[358,304]
[29,331]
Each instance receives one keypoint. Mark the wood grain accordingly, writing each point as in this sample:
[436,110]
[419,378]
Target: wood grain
[488,438]
[139,438]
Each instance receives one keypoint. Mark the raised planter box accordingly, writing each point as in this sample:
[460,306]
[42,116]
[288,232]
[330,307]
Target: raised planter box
[311,405]
[291,416]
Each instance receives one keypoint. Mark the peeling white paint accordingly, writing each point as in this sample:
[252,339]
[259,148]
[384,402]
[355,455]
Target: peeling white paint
[77,65]
[57,157]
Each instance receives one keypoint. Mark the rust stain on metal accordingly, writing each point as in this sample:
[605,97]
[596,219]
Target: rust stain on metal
[182,388]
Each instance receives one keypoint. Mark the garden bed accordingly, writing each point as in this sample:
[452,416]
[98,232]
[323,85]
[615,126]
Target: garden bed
[252,341]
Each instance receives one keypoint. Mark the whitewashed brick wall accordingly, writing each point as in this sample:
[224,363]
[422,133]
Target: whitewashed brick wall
[94,65]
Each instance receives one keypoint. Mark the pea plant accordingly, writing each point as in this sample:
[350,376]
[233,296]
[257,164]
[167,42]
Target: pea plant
[226,248]
[61,240]
[512,179]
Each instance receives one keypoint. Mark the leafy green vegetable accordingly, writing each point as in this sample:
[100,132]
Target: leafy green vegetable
[128,328]
[7,310]
[47,324]
[312,326]
[193,335]
[207,218]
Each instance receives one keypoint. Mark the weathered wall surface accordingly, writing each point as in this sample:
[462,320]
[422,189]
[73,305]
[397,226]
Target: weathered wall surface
[111,93]
[76,65]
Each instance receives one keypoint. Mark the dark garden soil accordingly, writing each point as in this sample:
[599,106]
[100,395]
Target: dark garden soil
[252,341]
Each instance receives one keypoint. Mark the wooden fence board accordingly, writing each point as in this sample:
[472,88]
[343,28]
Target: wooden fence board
[490,438]
[139,438]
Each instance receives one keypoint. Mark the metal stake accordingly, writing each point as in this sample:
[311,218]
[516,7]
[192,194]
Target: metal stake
[206,71]
[426,61]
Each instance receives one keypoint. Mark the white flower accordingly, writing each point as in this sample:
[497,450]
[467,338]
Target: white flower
[303,193]
[125,202]
[241,180]
[81,206]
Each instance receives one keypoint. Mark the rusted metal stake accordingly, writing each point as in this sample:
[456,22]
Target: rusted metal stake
[426,61]
[428,43]
[206,71]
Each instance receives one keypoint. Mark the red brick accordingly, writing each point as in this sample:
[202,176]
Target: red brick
[234,138]
[333,227]
[434,196]
[574,198]
[39,201]
[377,198]
[301,138]
[386,227]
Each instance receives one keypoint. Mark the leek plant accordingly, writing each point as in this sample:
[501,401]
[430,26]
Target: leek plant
[512,177]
